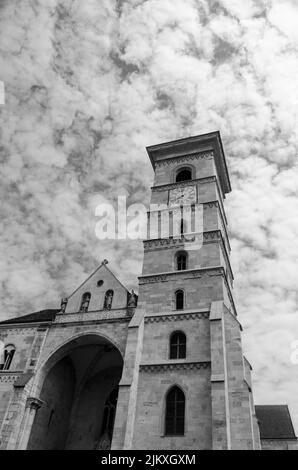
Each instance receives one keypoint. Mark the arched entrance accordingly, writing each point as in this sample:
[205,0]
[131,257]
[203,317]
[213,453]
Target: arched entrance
[79,395]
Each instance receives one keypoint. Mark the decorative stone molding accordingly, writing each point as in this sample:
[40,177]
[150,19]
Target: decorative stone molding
[185,274]
[167,242]
[210,204]
[153,279]
[25,330]
[212,235]
[6,376]
[175,366]
[184,158]
[23,379]
[167,187]
[217,378]
[208,237]
[97,315]
[171,241]
[33,403]
[169,318]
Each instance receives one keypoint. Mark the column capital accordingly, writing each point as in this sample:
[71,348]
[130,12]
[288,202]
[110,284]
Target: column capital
[33,403]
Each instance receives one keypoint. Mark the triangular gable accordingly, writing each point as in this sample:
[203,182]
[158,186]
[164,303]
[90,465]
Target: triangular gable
[108,281]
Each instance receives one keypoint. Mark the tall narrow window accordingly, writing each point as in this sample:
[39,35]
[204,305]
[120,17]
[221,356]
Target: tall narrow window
[175,412]
[85,302]
[107,426]
[8,354]
[181,261]
[108,299]
[179,299]
[184,174]
[183,228]
[178,345]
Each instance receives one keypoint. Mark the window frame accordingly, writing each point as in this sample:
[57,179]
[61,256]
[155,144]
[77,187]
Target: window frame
[182,169]
[183,299]
[177,168]
[178,345]
[177,255]
[8,356]
[174,434]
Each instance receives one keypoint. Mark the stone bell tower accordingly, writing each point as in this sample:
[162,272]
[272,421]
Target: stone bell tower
[186,385]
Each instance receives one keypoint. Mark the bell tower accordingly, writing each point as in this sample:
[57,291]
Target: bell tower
[186,383]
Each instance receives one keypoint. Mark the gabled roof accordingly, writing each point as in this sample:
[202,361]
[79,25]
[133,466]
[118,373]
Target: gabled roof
[41,316]
[103,265]
[49,314]
[275,422]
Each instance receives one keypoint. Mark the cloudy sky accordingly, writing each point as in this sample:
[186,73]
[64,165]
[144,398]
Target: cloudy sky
[89,84]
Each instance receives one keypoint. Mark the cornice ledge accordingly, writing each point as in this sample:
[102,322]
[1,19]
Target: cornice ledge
[165,187]
[163,277]
[175,317]
[92,322]
[9,376]
[183,158]
[208,235]
[175,366]
[217,377]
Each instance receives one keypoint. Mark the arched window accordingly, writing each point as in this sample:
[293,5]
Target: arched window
[8,354]
[179,294]
[108,421]
[184,174]
[175,412]
[178,345]
[85,302]
[181,261]
[108,299]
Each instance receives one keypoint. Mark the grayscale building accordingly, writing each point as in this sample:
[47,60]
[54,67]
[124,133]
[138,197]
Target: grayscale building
[161,370]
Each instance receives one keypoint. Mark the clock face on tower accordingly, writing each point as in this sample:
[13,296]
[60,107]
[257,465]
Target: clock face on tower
[186,195]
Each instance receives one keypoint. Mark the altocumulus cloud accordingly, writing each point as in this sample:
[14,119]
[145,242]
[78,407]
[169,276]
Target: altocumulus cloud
[90,84]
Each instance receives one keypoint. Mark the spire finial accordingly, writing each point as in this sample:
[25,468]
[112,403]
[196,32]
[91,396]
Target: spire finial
[105,261]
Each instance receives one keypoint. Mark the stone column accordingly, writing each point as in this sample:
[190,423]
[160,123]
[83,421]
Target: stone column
[32,406]
[127,398]
[221,437]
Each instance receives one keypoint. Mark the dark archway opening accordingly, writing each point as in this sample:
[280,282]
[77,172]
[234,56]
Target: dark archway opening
[183,175]
[79,397]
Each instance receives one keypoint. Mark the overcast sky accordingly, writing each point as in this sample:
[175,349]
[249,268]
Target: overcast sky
[88,84]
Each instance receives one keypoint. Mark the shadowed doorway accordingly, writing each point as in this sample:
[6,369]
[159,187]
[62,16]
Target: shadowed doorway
[79,396]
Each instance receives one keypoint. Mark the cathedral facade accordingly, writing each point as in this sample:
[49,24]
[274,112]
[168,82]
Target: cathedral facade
[161,370]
